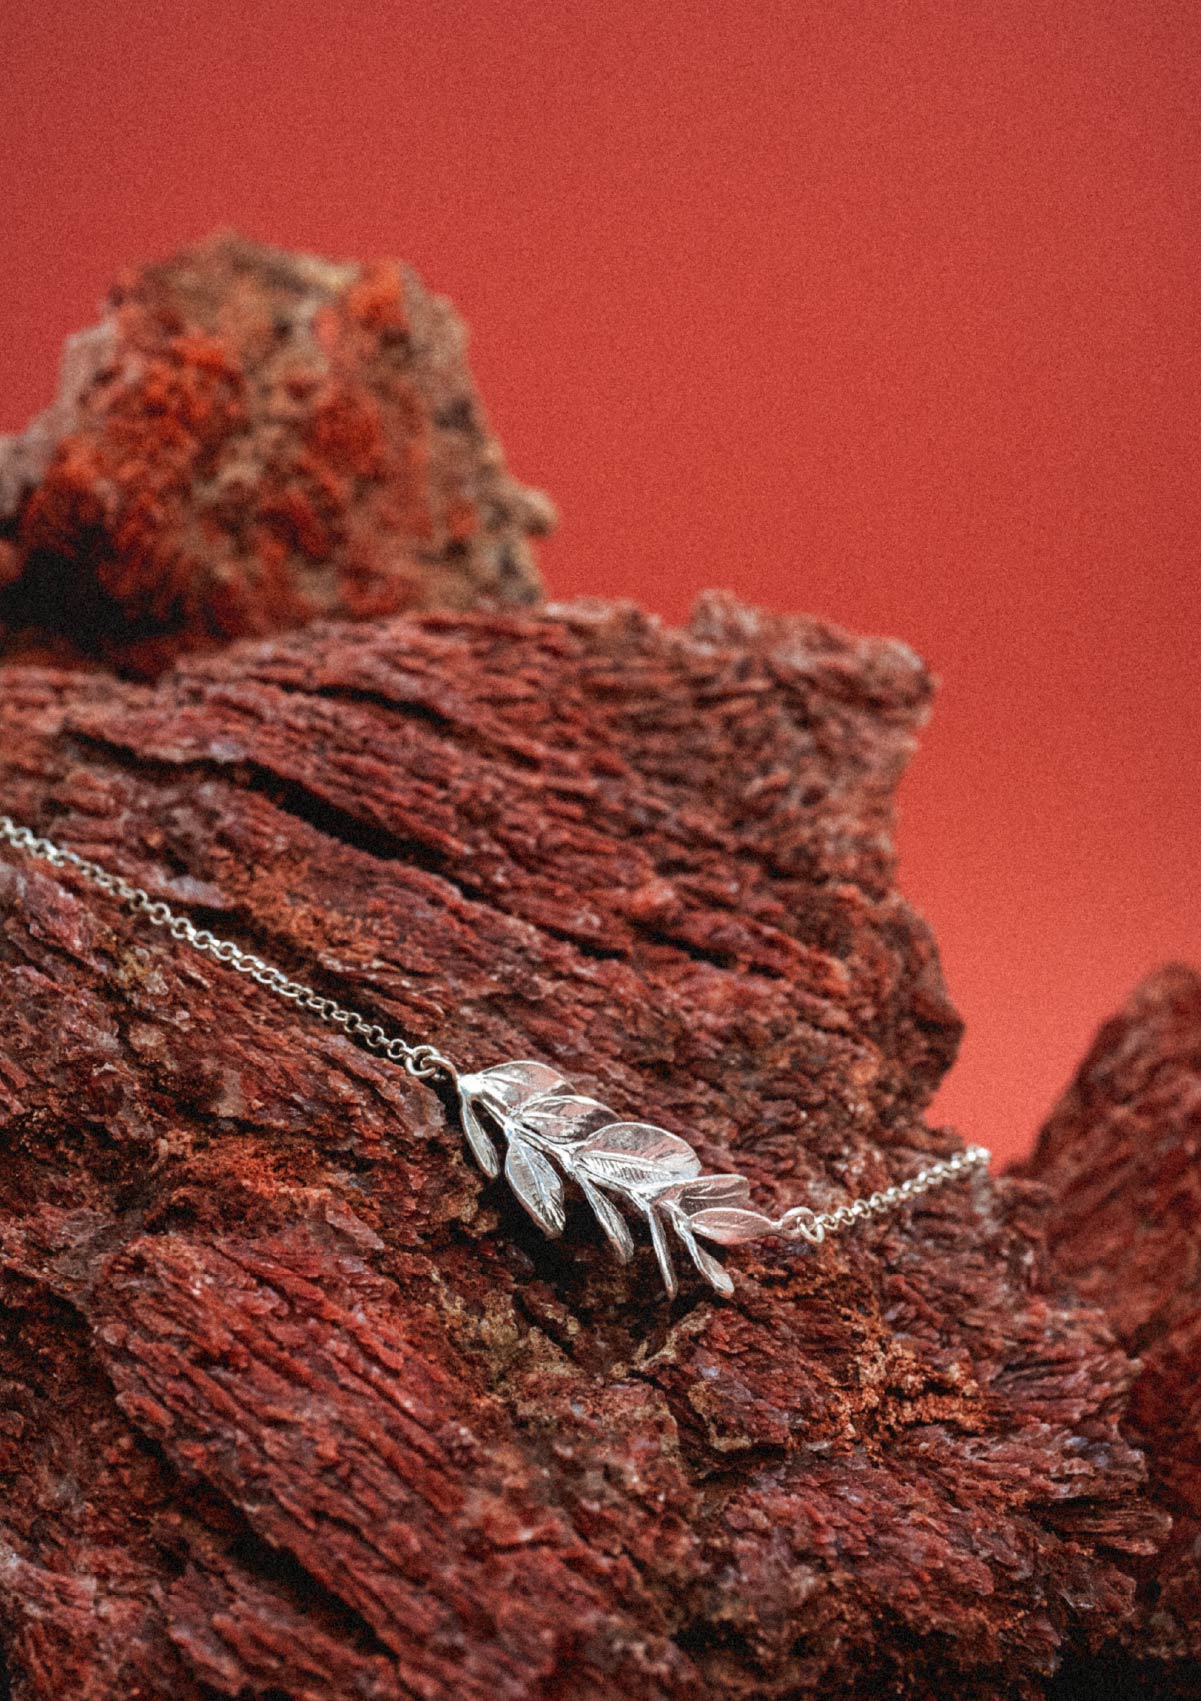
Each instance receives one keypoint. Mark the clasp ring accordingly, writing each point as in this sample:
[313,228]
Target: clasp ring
[800,1223]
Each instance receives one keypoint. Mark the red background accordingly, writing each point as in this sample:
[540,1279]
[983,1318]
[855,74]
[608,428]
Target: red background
[880,310]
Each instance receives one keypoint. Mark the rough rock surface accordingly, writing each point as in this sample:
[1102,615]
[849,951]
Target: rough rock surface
[1122,1154]
[293,1404]
[248,440]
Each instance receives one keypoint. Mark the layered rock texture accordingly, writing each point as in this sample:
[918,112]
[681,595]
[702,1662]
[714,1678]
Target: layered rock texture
[1122,1153]
[295,1404]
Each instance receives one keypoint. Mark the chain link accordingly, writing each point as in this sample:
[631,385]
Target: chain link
[421,1061]
[802,1223]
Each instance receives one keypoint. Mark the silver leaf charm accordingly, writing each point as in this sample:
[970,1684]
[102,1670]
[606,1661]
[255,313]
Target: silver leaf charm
[486,1099]
[535,1181]
[636,1156]
[507,1084]
[553,1136]
[706,1192]
[563,1117]
[609,1218]
[729,1225]
[480,1141]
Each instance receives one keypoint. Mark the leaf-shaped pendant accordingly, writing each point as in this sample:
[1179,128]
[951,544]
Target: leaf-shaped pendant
[553,1135]
[707,1192]
[662,1251]
[563,1117]
[609,1218]
[506,1085]
[479,1140]
[729,1225]
[637,1156]
[536,1183]
[705,1262]
[491,1094]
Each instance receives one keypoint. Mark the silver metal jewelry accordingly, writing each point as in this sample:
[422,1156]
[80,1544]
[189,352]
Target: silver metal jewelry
[551,1134]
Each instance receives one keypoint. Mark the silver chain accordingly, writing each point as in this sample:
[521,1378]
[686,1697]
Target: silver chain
[806,1224]
[425,1062]
[422,1061]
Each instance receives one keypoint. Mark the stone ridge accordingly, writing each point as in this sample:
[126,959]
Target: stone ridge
[1120,1154]
[337,1419]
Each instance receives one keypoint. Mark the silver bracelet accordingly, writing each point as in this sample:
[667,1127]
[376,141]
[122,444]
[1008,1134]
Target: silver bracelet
[551,1134]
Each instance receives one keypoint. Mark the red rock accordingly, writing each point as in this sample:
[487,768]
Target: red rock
[250,440]
[292,1403]
[1122,1156]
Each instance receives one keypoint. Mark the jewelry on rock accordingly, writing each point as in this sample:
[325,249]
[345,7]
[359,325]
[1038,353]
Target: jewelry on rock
[551,1133]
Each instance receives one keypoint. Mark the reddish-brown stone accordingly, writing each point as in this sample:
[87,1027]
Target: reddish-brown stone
[1122,1155]
[249,440]
[292,1403]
